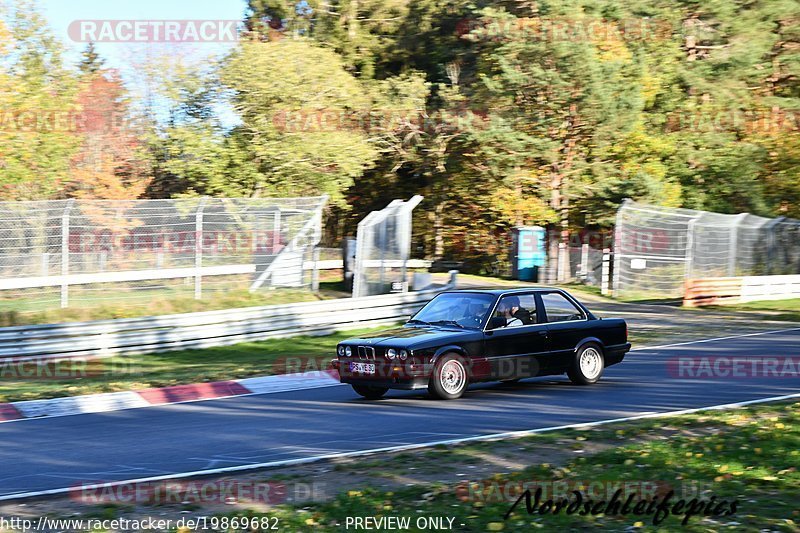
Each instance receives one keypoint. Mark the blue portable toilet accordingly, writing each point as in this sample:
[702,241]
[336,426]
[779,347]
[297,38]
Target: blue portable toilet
[527,252]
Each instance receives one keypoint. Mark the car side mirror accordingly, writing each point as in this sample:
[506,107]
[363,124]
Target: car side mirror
[496,322]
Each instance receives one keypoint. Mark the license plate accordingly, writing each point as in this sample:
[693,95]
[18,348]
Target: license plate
[362,368]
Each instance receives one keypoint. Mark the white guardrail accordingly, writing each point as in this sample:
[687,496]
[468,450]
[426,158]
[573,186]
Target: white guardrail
[756,288]
[733,290]
[207,329]
[174,273]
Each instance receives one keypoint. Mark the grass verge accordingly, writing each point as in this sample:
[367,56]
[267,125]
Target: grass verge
[788,310]
[748,455]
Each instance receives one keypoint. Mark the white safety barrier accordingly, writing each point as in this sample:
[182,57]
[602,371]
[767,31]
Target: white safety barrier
[756,288]
[209,328]
[731,290]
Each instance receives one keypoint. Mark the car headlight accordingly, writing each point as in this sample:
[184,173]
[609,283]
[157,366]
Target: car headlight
[403,355]
[391,353]
[340,350]
[348,351]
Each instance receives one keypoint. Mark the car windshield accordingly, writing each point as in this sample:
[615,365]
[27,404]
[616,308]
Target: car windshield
[465,310]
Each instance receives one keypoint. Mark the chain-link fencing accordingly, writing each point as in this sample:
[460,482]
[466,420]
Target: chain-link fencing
[383,247]
[77,252]
[656,249]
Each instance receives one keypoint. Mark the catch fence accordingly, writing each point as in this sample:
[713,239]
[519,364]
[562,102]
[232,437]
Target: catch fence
[656,249]
[67,252]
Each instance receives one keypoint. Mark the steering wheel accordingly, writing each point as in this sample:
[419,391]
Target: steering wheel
[471,321]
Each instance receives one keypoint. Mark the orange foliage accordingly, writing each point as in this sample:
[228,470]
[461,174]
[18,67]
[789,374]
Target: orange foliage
[110,164]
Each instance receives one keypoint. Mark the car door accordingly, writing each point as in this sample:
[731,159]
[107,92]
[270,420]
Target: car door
[514,351]
[565,325]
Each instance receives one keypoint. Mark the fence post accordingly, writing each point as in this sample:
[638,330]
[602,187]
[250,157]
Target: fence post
[585,261]
[276,231]
[198,248]
[561,268]
[689,254]
[452,281]
[315,270]
[617,245]
[605,288]
[65,253]
[358,263]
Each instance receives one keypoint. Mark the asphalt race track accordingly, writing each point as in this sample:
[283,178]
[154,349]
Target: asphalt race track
[61,452]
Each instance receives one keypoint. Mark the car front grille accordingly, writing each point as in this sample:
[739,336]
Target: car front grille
[366,352]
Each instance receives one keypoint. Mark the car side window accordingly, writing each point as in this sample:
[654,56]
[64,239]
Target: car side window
[517,310]
[559,309]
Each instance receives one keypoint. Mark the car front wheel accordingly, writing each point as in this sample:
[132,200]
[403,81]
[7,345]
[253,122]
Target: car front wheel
[370,393]
[449,379]
[588,365]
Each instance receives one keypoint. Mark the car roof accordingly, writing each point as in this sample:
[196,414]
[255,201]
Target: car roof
[511,290]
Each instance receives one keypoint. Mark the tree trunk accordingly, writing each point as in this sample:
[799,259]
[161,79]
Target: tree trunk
[520,216]
[438,224]
[352,23]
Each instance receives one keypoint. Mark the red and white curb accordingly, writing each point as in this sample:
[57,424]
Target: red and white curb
[117,401]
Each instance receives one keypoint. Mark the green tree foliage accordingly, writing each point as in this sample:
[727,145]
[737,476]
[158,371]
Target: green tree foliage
[91,62]
[38,111]
[295,99]
[190,149]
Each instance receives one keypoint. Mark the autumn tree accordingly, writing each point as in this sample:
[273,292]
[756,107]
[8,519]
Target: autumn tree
[91,62]
[111,162]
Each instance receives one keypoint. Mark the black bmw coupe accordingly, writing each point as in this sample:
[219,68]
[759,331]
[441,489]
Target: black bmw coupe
[466,336]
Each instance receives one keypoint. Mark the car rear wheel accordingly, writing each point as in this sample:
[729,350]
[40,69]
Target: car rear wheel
[449,379]
[588,365]
[370,393]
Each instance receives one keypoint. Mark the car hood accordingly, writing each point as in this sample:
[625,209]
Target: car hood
[408,337]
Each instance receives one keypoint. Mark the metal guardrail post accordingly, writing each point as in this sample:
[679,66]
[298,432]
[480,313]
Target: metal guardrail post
[65,253]
[452,283]
[198,248]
